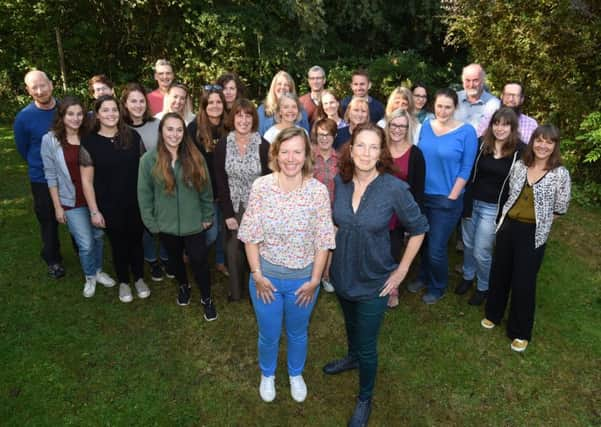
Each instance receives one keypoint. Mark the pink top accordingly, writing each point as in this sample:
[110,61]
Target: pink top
[290,227]
[155,101]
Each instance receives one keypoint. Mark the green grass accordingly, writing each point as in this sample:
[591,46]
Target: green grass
[67,360]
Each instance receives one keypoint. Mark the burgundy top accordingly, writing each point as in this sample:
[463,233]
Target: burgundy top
[71,153]
[402,164]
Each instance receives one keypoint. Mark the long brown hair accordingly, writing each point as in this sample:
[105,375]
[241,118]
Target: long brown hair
[123,139]
[58,127]
[192,161]
[503,115]
[385,163]
[204,134]
[548,132]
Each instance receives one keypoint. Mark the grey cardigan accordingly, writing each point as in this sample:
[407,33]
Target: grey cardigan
[55,169]
[551,196]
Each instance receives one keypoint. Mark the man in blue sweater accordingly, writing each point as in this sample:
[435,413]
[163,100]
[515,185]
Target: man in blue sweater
[360,85]
[31,123]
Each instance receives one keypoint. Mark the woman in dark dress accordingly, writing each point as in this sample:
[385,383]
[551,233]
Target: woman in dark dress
[109,159]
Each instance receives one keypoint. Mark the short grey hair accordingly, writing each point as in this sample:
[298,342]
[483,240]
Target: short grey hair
[317,68]
[162,63]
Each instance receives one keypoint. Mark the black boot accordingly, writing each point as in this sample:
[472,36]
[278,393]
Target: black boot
[361,413]
[463,286]
[341,365]
[478,297]
[183,295]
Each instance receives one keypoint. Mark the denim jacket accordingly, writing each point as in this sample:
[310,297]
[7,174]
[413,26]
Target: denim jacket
[55,169]
[551,196]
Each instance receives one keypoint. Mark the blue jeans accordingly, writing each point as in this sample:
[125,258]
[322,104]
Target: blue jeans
[478,241]
[269,320]
[215,234]
[89,239]
[443,215]
[149,242]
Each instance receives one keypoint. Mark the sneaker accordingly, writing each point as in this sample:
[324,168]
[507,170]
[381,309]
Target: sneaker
[89,288]
[415,286]
[104,279]
[222,269]
[125,293]
[519,345]
[478,297]
[267,388]
[327,286]
[463,286]
[298,388]
[487,324]
[361,413]
[210,311]
[56,271]
[156,271]
[168,272]
[183,295]
[142,289]
[430,298]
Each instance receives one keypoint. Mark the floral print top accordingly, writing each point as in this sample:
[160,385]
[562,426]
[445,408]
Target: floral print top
[290,227]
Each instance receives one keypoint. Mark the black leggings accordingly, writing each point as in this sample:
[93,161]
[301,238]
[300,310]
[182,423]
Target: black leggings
[197,251]
[128,253]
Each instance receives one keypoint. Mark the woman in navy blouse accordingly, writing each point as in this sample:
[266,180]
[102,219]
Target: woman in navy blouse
[363,270]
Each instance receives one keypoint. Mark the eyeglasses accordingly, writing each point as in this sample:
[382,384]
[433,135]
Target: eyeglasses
[397,127]
[324,135]
[212,88]
[316,78]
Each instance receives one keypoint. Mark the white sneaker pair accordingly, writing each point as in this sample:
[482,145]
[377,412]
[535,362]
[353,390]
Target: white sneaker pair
[141,290]
[89,288]
[298,388]
[327,286]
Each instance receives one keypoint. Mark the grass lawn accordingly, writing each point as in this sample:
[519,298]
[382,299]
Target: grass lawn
[67,360]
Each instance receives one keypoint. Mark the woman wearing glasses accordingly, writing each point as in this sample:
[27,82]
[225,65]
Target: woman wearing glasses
[420,99]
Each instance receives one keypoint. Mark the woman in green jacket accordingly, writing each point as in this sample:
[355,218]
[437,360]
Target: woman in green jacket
[176,201]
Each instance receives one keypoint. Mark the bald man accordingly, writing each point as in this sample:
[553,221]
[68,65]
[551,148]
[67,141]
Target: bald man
[475,102]
[31,123]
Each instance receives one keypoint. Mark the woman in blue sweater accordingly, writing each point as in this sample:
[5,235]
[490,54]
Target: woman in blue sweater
[363,270]
[449,148]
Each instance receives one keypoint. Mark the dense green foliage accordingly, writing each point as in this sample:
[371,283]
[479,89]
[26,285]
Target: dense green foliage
[204,38]
[552,46]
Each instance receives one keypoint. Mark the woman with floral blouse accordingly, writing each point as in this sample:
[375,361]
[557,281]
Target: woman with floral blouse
[287,230]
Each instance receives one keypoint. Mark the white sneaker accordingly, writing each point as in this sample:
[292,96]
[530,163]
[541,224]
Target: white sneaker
[267,388]
[327,286]
[104,279]
[125,293]
[142,289]
[298,388]
[89,288]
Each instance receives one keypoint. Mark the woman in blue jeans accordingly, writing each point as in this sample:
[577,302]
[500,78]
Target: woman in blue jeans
[486,191]
[449,148]
[363,269]
[60,154]
[287,231]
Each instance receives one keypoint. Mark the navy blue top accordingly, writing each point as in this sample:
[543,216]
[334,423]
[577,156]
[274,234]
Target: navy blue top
[31,124]
[362,261]
[376,108]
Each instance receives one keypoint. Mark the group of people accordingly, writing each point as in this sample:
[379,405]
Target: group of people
[297,193]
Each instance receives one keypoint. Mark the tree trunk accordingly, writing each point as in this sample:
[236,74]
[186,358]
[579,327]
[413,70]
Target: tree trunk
[61,56]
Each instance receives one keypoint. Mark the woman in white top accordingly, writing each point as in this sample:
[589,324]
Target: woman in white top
[287,115]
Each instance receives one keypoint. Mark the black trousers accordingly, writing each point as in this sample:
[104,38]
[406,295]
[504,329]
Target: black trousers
[197,251]
[237,264]
[515,266]
[44,212]
[128,254]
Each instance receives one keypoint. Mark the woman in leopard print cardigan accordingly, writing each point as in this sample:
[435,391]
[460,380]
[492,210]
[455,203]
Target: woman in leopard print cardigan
[539,189]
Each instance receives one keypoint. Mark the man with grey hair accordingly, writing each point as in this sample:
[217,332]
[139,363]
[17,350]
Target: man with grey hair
[163,74]
[474,101]
[31,124]
[310,101]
